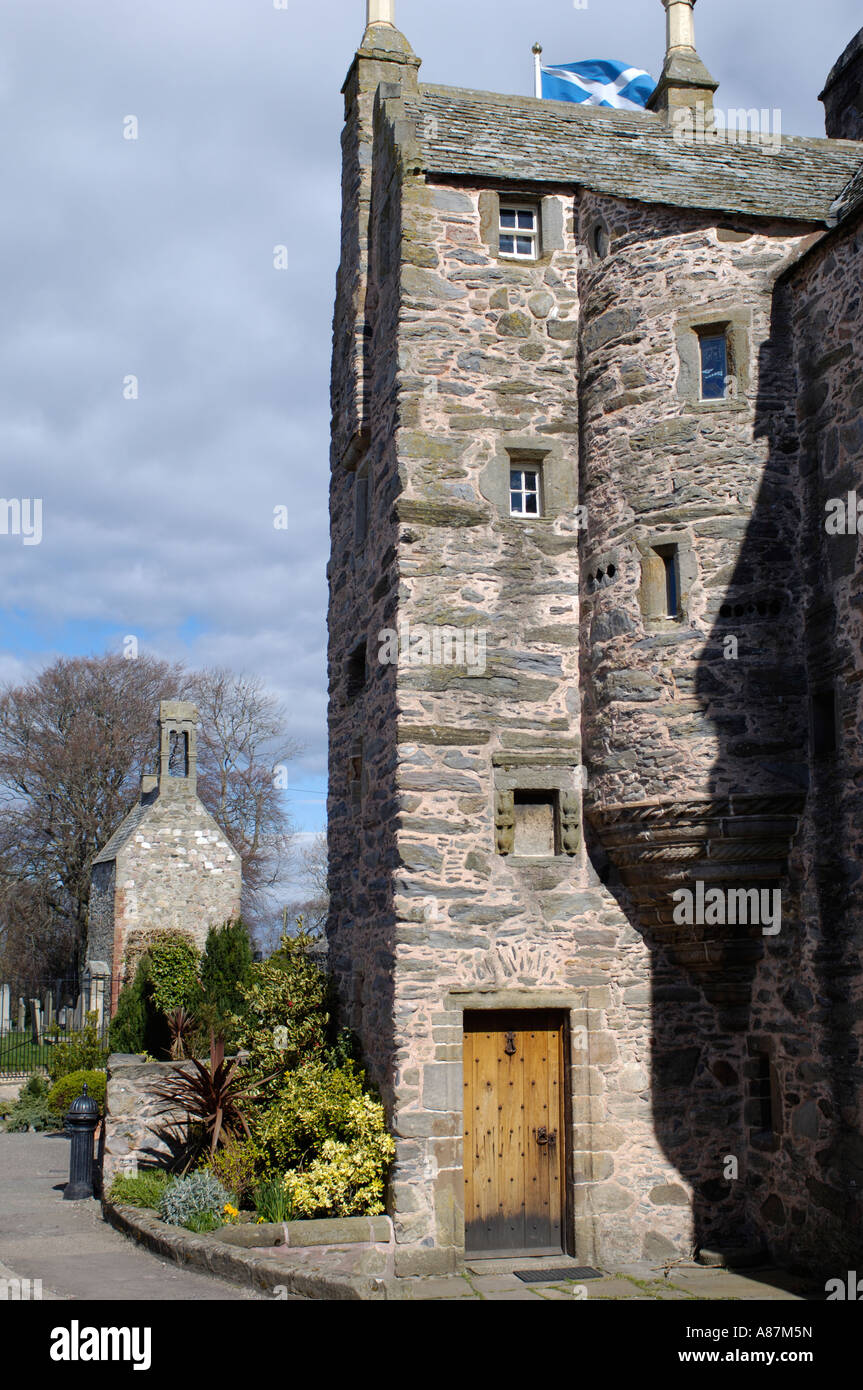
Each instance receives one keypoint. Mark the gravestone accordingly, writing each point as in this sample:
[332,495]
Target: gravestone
[5,1009]
[22,1015]
[36,1008]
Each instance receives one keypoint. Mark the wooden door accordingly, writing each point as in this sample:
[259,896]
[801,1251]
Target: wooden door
[514,1159]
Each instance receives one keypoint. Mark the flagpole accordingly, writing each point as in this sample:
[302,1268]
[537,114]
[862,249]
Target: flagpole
[537,69]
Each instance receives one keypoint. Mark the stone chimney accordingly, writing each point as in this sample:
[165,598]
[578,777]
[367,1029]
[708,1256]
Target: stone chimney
[685,81]
[178,753]
[381,12]
[843,94]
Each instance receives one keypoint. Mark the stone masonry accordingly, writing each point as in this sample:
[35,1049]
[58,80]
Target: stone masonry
[673,755]
[168,867]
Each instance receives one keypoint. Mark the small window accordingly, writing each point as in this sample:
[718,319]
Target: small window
[599,241]
[519,233]
[536,824]
[357,671]
[524,492]
[356,773]
[713,348]
[762,1095]
[670,563]
[823,723]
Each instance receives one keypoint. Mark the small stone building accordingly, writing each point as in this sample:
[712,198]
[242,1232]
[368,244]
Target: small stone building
[168,867]
[595,379]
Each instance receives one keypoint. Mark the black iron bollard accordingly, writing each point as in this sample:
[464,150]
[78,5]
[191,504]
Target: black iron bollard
[81,1120]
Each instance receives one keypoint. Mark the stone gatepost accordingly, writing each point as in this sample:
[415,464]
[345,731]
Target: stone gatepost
[96,974]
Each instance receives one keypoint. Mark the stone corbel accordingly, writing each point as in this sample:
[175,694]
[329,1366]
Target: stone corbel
[504,821]
[570,822]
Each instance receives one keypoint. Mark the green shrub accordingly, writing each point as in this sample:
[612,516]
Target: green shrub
[236,1164]
[174,965]
[226,970]
[199,1194]
[286,1009]
[143,1190]
[82,1051]
[31,1110]
[328,1135]
[69,1087]
[138,1026]
[203,1221]
[273,1201]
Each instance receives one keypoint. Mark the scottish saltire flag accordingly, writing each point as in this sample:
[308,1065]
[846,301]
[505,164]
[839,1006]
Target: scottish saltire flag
[599,81]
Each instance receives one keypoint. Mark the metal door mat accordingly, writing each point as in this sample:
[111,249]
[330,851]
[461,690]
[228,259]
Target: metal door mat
[556,1276]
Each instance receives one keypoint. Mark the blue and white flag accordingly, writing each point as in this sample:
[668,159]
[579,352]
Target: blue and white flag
[600,82]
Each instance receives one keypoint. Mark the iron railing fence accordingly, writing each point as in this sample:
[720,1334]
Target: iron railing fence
[36,1015]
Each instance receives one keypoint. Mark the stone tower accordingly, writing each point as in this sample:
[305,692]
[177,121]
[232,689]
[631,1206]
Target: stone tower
[582,431]
[168,867]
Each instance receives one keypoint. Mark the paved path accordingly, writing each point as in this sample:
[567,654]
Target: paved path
[67,1244]
[78,1256]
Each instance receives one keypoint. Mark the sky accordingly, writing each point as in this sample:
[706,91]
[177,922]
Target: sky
[164,384]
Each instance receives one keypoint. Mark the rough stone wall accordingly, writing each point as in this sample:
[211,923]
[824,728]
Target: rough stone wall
[584,363]
[665,713]
[139,1130]
[100,923]
[176,873]
[822,1187]
[487,359]
[363,578]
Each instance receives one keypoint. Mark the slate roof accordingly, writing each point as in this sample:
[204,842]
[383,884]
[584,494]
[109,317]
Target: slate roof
[851,198]
[124,832]
[629,154]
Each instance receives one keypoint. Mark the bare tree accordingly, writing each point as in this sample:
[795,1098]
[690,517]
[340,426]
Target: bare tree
[72,743]
[243,744]
[311,862]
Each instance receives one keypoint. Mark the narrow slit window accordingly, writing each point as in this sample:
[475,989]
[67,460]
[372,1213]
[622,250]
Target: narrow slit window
[524,492]
[714,365]
[519,233]
[357,671]
[361,517]
[669,557]
[823,723]
[762,1094]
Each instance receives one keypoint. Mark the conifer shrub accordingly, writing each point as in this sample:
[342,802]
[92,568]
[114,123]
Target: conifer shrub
[226,970]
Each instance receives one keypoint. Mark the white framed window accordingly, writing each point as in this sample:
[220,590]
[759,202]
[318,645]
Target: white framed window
[519,232]
[524,492]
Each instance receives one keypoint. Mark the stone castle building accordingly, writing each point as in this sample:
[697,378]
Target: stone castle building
[597,393]
[168,866]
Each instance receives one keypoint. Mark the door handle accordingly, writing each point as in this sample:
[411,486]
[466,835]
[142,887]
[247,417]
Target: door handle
[543,1136]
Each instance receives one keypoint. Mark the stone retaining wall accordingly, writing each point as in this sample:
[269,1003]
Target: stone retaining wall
[137,1126]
